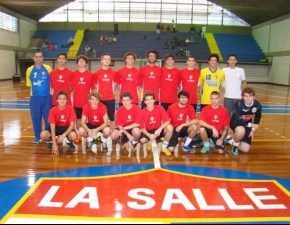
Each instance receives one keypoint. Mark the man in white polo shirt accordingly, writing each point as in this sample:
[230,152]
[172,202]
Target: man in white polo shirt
[235,82]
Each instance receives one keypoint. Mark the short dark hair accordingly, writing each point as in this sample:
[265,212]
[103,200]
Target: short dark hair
[147,94]
[104,54]
[152,51]
[62,53]
[232,55]
[213,55]
[82,57]
[249,90]
[37,51]
[215,93]
[95,94]
[183,93]
[62,92]
[190,56]
[126,94]
[129,53]
[169,55]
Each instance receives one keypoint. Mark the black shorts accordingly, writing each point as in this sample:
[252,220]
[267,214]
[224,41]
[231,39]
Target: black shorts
[246,138]
[125,139]
[59,130]
[152,132]
[214,139]
[174,139]
[111,106]
[79,112]
[90,126]
[165,105]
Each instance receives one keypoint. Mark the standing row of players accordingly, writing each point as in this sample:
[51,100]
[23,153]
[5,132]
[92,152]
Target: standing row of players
[163,82]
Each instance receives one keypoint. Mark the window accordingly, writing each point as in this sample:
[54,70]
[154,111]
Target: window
[8,22]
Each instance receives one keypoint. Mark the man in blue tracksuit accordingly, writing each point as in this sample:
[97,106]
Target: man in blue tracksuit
[37,78]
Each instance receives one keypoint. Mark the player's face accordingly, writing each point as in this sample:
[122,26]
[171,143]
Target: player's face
[191,62]
[106,60]
[61,100]
[61,60]
[130,60]
[232,61]
[94,101]
[213,62]
[82,63]
[169,61]
[127,102]
[214,99]
[151,58]
[149,101]
[248,98]
[183,100]
[38,58]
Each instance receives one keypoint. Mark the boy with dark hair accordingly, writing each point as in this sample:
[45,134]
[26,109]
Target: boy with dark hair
[62,120]
[155,123]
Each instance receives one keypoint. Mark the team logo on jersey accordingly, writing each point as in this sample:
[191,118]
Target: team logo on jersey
[43,73]
[169,75]
[105,76]
[95,117]
[152,118]
[181,115]
[151,73]
[215,117]
[190,77]
[129,75]
[81,79]
[60,77]
[254,110]
[216,77]
[129,117]
[62,117]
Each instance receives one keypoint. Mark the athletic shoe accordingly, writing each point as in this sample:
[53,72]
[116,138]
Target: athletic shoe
[149,146]
[134,146]
[36,141]
[186,148]
[79,138]
[49,146]
[235,150]
[98,136]
[161,139]
[71,145]
[204,149]
[228,139]
[104,146]
[211,144]
[90,144]
[166,151]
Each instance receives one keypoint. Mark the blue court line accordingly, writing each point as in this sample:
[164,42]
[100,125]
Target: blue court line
[24,104]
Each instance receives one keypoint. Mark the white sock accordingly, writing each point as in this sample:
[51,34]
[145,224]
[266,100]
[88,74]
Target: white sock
[187,142]
[206,143]
[236,144]
[134,142]
[165,144]
[90,139]
[104,140]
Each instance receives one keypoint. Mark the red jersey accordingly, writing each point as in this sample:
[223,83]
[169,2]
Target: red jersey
[61,80]
[169,83]
[129,80]
[95,116]
[127,117]
[189,82]
[62,118]
[179,115]
[151,79]
[104,79]
[82,83]
[216,117]
[152,120]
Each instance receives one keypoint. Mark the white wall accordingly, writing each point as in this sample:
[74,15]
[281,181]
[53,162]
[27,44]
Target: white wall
[274,38]
[11,41]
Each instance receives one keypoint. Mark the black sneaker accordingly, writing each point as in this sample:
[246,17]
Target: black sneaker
[49,146]
[104,146]
[71,145]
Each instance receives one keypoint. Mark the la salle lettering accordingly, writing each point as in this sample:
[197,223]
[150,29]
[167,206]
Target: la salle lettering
[172,196]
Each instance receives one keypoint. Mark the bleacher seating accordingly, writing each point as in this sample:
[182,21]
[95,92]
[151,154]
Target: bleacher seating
[134,41]
[57,37]
[244,46]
